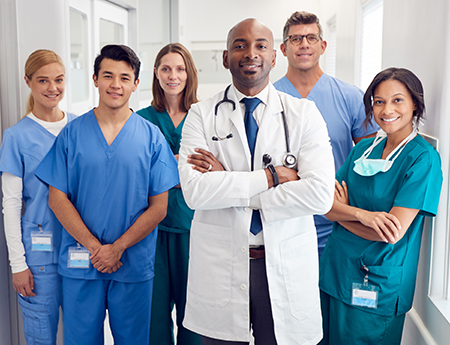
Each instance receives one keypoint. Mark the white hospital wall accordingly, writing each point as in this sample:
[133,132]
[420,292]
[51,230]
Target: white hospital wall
[35,33]
[204,25]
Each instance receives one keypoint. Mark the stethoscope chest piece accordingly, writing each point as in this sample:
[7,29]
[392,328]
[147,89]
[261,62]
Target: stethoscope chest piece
[289,160]
[266,159]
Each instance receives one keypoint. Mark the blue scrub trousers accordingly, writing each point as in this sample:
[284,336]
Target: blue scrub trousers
[346,325]
[85,303]
[41,313]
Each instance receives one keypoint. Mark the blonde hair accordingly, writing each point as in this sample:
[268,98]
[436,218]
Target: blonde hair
[36,60]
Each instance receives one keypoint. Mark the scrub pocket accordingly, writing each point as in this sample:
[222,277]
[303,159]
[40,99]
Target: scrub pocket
[36,324]
[41,257]
[389,280]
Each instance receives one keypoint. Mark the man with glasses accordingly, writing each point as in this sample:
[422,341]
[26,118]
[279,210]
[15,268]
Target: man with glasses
[340,104]
[253,261]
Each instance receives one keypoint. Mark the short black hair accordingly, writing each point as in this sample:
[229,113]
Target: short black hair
[407,78]
[118,52]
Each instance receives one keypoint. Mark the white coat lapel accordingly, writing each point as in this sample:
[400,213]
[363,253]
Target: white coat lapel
[269,126]
[237,119]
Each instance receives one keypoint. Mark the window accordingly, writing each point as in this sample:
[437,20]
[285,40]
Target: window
[371,41]
[330,62]
[110,32]
[79,69]
[92,25]
[155,32]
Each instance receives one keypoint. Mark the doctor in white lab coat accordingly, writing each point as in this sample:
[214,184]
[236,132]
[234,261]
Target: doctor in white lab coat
[218,182]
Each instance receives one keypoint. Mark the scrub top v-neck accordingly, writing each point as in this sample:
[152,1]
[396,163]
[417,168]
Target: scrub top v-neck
[110,186]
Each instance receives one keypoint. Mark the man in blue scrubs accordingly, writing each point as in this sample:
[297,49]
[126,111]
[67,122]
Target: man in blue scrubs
[109,174]
[340,104]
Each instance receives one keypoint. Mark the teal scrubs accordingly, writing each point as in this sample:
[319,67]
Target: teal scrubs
[342,108]
[172,251]
[414,181]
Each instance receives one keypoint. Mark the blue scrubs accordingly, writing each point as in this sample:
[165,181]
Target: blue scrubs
[414,181]
[342,108]
[24,146]
[109,185]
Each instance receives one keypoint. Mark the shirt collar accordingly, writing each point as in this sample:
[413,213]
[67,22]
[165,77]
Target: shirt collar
[263,95]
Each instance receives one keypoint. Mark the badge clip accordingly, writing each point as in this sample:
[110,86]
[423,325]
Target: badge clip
[365,295]
[78,257]
[41,241]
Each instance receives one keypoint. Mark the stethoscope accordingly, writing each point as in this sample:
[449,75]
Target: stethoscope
[289,160]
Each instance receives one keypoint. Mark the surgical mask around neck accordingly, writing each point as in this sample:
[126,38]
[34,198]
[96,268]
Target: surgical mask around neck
[369,167]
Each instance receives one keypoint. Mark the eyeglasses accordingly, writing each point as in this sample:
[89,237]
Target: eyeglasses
[296,40]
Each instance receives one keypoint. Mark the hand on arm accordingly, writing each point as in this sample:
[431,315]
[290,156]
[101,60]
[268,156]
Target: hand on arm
[284,175]
[107,257]
[341,192]
[375,226]
[202,160]
[23,283]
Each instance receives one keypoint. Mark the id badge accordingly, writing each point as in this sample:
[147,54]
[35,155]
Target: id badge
[41,241]
[78,257]
[365,295]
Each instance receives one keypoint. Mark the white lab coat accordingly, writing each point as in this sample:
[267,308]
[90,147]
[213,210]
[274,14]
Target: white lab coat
[218,281]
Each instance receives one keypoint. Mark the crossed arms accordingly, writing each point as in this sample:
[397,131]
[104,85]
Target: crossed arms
[374,226]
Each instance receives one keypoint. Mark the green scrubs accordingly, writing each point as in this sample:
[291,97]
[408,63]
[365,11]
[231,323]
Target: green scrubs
[414,181]
[172,251]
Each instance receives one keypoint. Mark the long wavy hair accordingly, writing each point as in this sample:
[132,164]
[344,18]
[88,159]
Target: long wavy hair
[190,91]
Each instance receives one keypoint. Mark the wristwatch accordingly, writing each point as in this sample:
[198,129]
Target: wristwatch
[274,174]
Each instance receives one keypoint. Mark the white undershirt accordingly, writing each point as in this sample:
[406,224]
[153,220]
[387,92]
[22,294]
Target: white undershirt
[12,204]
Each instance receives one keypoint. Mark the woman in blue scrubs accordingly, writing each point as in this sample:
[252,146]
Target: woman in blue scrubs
[175,85]
[384,191]
[33,238]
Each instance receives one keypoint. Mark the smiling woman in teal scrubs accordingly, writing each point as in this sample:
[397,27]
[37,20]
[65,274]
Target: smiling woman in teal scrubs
[175,85]
[384,191]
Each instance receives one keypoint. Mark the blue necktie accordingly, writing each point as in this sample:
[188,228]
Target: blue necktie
[251,128]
